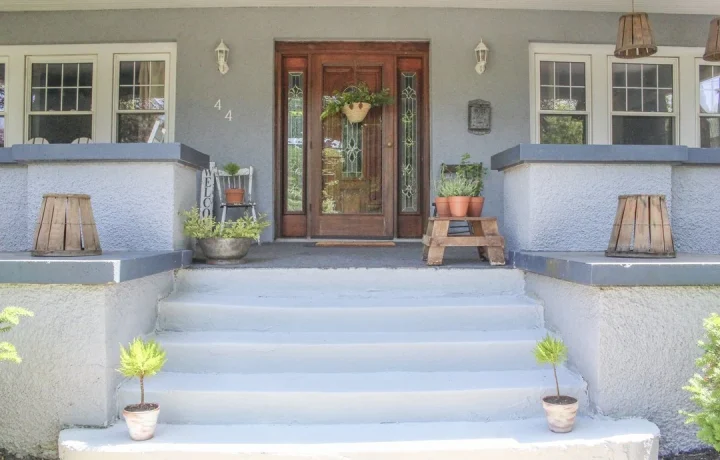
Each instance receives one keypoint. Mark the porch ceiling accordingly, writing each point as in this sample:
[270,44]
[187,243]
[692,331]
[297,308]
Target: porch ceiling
[650,6]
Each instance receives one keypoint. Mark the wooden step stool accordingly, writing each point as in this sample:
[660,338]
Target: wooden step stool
[485,237]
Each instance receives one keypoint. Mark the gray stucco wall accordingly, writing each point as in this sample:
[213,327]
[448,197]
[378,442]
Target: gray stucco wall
[70,353]
[635,346]
[695,214]
[13,215]
[248,88]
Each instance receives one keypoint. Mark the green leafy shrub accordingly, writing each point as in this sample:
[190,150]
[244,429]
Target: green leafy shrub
[472,171]
[456,186]
[9,318]
[231,168]
[704,387]
[551,351]
[140,360]
[196,226]
[353,94]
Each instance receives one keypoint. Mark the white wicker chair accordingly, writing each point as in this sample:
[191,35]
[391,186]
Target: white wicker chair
[243,179]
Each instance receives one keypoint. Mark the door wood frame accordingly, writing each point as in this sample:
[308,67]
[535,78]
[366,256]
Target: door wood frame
[301,223]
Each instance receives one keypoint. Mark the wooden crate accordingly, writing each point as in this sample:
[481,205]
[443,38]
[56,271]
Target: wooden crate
[642,228]
[66,227]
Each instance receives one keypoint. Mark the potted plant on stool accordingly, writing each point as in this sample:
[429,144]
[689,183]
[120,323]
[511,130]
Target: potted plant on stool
[458,190]
[141,359]
[560,410]
[223,244]
[442,202]
[233,195]
[475,172]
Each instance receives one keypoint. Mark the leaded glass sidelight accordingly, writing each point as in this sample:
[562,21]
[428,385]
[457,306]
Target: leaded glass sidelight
[352,150]
[408,142]
[295,136]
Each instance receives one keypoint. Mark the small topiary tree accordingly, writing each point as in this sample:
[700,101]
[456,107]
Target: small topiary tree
[551,351]
[9,318]
[704,387]
[141,359]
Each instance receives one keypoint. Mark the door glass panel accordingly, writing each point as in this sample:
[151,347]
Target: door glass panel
[408,116]
[352,153]
[295,121]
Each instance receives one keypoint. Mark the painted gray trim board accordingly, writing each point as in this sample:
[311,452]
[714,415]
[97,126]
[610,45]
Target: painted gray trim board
[594,269]
[111,267]
[181,153]
[6,156]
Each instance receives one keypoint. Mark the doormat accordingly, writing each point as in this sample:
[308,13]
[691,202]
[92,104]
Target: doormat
[355,244]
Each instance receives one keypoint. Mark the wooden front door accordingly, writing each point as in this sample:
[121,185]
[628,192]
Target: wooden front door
[351,180]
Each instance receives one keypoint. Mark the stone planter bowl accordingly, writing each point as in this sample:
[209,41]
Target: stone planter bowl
[225,251]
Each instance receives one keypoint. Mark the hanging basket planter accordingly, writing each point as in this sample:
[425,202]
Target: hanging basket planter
[356,112]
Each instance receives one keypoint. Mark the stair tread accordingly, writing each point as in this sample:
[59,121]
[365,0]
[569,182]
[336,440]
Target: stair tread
[374,382]
[346,338]
[358,438]
[367,300]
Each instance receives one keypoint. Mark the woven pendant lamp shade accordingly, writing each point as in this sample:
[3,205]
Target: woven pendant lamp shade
[712,51]
[635,37]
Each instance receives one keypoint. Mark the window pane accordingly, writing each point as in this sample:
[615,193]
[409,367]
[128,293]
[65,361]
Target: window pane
[665,97]
[141,127]
[86,75]
[563,129]
[142,85]
[709,132]
[562,73]
[643,130]
[634,98]
[547,73]
[70,75]
[37,100]
[2,131]
[53,99]
[126,73]
[85,99]
[295,140]
[577,74]
[619,101]
[2,89]
[69,99]
[39,75]
[157,76]
[125,98]
[634,75]
[665,76]
[547,98]
[578,98]
[650,76]
[619,75]
[54,75]
[60,129]
[408,113]
[650,100]
[709,87]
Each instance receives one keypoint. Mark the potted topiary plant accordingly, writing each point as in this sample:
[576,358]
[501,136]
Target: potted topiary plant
[10,317]
[560,410]
[355,102]
[458,190]
[233,195]
[141,360]
[442,202]
[475,172]
[223,244]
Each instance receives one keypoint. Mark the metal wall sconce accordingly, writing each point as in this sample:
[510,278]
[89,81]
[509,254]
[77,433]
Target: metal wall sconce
[481,56]
[222,52]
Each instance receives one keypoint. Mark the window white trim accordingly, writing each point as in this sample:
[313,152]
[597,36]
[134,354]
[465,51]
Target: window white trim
[169,89]
[601,55]
[535,92]
[674,62]
[701,62]
[15,58]
[3,113]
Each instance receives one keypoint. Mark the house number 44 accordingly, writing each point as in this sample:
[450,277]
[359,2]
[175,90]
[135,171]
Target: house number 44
[218,105]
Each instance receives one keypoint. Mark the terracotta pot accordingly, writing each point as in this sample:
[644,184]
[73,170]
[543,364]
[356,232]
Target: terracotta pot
[442,206]
[234,195]
[560,412]
[476,206]
[356,112]
[459,205]
[141,423]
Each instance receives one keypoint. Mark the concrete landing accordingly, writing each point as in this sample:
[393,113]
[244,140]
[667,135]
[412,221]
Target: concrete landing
[517,440]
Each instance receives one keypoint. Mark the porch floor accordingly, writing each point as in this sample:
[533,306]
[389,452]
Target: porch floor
[307,255]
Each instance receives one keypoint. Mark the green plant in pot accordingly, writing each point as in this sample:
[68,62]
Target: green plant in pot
[458,191]
[223,244]
[233,195]
[475,172]
[355,102]
[560,410]
[141,360]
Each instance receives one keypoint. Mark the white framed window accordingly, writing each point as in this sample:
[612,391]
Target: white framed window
[643,101]
[141,98]
[708,104]
[3,115]
[60,98]
[562,99]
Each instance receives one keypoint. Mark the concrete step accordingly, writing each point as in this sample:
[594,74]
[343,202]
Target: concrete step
[249,281]
[390,397]
[516,440]
[309,352]
[196,311]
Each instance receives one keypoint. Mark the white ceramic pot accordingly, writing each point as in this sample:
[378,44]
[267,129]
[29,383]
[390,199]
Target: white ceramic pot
[560,413]
[141,424]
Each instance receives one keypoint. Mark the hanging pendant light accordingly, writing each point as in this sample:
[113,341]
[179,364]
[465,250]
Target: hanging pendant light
[712,51]
[635,37]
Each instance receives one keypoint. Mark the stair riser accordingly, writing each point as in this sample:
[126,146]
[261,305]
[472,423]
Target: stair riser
[313,281]
[181,316]
[430,357]
[318,408]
